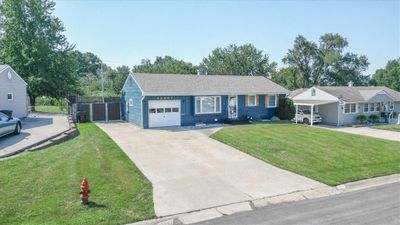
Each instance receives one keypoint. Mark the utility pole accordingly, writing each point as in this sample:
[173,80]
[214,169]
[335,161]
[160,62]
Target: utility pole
[102,81]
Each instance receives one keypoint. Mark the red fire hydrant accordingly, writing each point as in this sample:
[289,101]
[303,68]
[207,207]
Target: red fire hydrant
[84,191]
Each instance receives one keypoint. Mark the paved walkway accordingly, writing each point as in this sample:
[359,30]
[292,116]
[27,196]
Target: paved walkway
[376,133]
[35,128]
[190,171]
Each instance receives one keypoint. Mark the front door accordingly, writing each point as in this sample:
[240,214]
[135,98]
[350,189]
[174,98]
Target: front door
[232,107]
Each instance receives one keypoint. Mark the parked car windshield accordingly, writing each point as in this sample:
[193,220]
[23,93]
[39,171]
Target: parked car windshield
[306,111]
[3,116]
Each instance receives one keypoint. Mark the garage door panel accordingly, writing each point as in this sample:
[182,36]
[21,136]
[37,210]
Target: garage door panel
[164,113]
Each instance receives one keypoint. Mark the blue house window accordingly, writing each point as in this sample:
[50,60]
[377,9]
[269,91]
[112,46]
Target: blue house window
[272,101]
[208,104]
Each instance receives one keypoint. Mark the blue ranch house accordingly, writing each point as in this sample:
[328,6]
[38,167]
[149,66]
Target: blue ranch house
[161,100]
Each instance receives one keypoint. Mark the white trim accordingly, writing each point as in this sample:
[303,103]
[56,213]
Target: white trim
[7,66]
[350,112]
[300,97]
[276,101]
[12,97]
[201,107]
[255,100]
[211,93]
[237,106]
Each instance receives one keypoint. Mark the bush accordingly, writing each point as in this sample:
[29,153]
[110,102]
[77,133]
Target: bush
[275,119]
[361,118]
[374,118]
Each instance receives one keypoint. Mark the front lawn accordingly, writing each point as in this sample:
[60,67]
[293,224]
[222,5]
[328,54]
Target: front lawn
[328,156]
[43,187]
[391,127]
[50,109]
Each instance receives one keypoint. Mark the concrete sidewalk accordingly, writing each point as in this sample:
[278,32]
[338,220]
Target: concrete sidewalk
[216,212]
[366,131]
[36,128]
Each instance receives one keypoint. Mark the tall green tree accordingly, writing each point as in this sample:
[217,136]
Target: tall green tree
[238,60]
[287,77]
[166,64]
[303,57]
[326,63]
[388,76]
[32,42]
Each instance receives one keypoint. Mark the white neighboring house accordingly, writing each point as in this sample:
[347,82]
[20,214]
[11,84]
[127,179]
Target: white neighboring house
[340,105]
[13,92]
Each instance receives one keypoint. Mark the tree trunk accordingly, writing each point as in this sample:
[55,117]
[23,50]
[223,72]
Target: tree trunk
[32,100]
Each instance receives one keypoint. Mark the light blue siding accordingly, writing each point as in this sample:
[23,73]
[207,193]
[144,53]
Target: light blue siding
[134,112]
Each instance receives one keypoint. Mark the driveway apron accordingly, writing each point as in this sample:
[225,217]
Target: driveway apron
[190,171]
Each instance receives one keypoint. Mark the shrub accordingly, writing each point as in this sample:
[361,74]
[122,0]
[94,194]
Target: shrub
[374,118]
[275,119]
[361,118]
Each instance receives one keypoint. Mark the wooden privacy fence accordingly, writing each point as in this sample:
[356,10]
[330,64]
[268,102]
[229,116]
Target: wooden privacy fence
[91,112]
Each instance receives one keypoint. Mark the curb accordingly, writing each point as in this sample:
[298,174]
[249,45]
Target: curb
[219,211]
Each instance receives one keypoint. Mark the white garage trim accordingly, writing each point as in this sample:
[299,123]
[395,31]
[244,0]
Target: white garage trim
[164,113]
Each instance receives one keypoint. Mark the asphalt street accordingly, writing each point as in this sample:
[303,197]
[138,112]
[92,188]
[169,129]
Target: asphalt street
[375,206]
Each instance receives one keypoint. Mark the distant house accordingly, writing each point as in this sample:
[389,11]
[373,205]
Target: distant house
[341,105]
[159,100]
[13,92]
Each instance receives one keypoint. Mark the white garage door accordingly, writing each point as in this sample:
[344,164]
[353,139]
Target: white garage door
[164,113]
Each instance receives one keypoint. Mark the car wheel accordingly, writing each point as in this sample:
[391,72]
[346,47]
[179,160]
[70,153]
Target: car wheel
[17,128]
[306,121]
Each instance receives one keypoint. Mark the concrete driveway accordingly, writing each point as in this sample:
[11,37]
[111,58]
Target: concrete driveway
[35,128]
[366,131]
[190,171]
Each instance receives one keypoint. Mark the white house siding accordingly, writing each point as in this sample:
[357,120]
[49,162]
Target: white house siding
[328,113]
[17,87]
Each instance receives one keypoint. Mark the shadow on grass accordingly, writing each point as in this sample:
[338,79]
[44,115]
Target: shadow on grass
[94,205]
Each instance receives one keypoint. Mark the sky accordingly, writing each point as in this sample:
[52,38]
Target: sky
[125,32]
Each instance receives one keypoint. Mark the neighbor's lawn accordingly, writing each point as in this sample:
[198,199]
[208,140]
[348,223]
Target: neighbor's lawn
[392,127]
[50,109]
[327,156]
[43,187]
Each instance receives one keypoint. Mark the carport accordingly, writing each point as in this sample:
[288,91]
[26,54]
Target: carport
[311,104]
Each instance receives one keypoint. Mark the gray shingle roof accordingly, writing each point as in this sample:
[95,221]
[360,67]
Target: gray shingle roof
[176,84]
[354,94]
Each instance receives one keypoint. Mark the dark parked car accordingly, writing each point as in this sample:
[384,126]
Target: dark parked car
[9,125]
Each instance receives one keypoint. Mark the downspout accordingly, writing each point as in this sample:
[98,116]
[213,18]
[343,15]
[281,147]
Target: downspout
[141,102]
[338,114]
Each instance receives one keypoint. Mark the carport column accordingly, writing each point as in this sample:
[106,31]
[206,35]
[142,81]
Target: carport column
[297,109]
[312,115]
[91,112]
[106,108]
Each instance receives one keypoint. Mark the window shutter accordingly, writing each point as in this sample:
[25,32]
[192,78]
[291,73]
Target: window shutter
[266,101]
[277,100]
[257,100]
[246,100]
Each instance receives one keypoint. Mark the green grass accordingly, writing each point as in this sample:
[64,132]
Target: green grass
[392,127]
[50,109]
[43,187]
[327,156]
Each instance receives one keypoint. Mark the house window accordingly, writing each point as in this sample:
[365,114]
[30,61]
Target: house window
[209,104]
[391,105]
[313,92]
[252,100]
[376,107]
[350,108]
[371,107]
[272,101]
[366,107]
[10,96]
